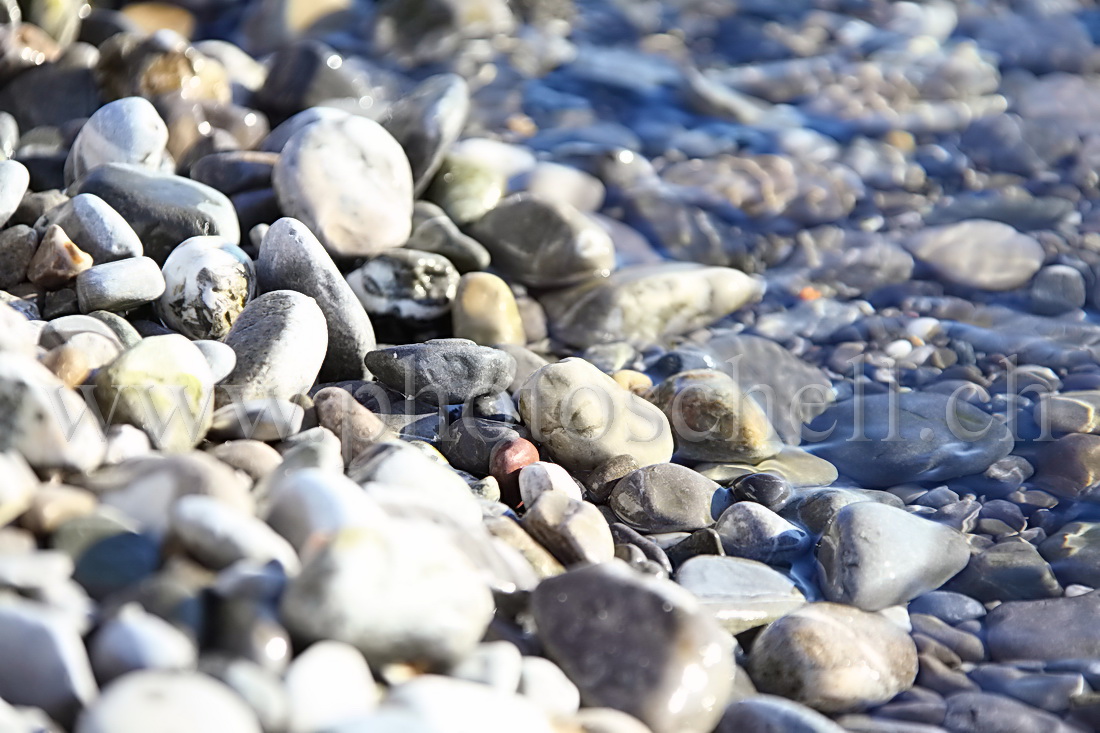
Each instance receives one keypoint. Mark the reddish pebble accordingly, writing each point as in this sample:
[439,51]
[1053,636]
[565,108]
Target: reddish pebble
[505,462]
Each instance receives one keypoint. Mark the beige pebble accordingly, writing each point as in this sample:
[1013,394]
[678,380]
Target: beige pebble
[57,260]
[633,381]
[485,311]
[69,363]
[53,505]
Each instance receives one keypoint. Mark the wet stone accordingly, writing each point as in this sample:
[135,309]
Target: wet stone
[666,498]
[755,532]
[743,594]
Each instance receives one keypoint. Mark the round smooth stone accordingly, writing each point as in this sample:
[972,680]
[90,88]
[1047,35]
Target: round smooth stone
[57,260]
[755,532]
[219,535]
[219,357]
[978,253]
[119,286]
[327,684]
[485,311]
[208,283]
[350,182]
[664,497]
[540,477]
[144,701]
[135,640]
[96,228]
[433,231]
[128,130]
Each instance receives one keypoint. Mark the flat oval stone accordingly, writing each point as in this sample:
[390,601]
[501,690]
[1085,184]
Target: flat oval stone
[1047,629]
[280,340]
[584,418]
[642,303]
[349,181]
[291,258]
[833,658]
[485,311]
[162,209]
[600,620]
[743,594]
[931,438]
[454,370]
[208,282]
[978,253]
[96,228]
[143,700]
[127,130]
[119,286]
[873,556]
[665,497]
[544,244]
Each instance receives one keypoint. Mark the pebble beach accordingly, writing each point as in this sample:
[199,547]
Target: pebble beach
[549,366]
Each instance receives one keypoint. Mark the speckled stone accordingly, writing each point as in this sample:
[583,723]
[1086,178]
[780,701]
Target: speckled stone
[208,282]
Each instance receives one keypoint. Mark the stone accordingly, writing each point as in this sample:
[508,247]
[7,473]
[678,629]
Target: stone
[235,171]
[607,720]
[1072,552]
[219,535]
[874,556]
[755,532]
[208,282]
[583,417]
[220,358]
[665,497]
[423,31]
[14,179]
[602,479]
[768,713]
[357,427]
[544,244]
[883,440]
[406,284]
[280,339]
[434,702]
[574,531]
[337,174]
[1058,289]
[978,711]
[506,460]
[57,260]
[599,620]
[163,210]
[427,121]
[51,506]
[17,247]
[291,258]
[119,286]
[45,421]
[450,370]
[433,231]
[978,253]
[556,182]
[20,488]
[713,420]
[127,130]
[163,386]
[55,675]
[1066,467]
[833,658]
[1047,629]
[767,489]
[742,594]
[466,188]
[327,684]
[136,640]
[399,592]
[485,311]
[543,683]
[1073,411]
[541,476]
[642,303]
[146,699]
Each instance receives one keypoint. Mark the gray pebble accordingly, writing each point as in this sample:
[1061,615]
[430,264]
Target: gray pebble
[14,179]
[450,370]
[95,227]
[135,640]
[119,286]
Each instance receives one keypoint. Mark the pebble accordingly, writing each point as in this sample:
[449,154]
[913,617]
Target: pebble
[677,298]
[753,531]
[49,507]
[163,209]
[14,180]
[336,174]
[543,683]
[937,438]
[596,620]
[119,286]
[327,684]
[506,460]
[95,227]
[742,594]
[973,711]
[218,535]
[1010,571]
[1058,289]
[32,425]
[57,260]
[291,258]
[571,529]
[208,282]
[833,658]
[163,386]
[874,556]
[407,284]
[544,244]
[280,339]
[435,702]
[772,713]
[583,417]
[452,371]
[127,130]
[17,247]
[485,311]
[541,476]
[220,358]
[666,497]
[1047,629]
[713,420]
[978,253]
[62,682]
[1072,553]
[357,427]
[465,187]
[190,700]
[427,121]
[399,592]
[134,640]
